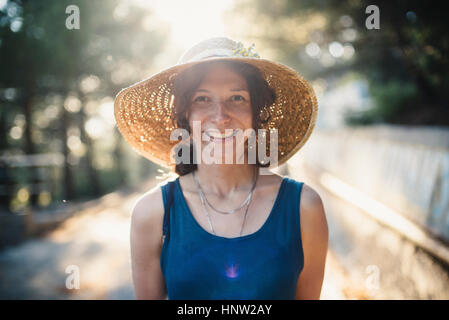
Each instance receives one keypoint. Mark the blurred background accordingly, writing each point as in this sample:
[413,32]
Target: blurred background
[379,157]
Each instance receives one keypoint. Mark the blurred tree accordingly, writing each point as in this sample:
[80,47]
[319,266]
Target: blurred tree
[48,66]
[405,61]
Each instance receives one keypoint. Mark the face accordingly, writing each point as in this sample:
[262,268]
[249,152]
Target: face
[221,104]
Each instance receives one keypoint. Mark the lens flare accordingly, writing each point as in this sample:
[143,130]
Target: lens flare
[232,271]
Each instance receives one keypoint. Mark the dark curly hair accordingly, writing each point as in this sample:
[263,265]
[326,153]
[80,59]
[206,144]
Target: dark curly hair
[187,82]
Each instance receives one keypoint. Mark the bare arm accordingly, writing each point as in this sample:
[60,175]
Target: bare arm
[314,236]
[146,243]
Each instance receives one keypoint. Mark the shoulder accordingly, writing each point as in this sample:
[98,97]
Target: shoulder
[148,212]
[310,199]
[312,214]
[314,240]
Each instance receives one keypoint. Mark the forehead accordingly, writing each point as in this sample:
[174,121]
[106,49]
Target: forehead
[222,75]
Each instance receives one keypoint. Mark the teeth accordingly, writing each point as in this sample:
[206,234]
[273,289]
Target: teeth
[215,134]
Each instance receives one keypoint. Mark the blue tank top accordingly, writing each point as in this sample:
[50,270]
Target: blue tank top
[198,265]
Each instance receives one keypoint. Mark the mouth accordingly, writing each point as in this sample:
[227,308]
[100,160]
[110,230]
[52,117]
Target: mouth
[216,136]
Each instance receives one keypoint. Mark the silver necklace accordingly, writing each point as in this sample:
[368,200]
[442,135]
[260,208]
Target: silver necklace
[210,222]
[245,202]
[203,204]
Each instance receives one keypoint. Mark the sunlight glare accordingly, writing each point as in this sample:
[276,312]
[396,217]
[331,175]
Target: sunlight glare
[192,21]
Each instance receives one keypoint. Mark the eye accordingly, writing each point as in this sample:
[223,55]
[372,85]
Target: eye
[200,99]
[237,98]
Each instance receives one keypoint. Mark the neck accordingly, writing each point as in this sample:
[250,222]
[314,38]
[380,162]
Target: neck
[224,180]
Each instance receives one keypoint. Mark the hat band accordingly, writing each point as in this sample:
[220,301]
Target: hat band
[209,53]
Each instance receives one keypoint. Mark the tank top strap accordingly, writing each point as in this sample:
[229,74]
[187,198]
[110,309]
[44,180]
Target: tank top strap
[293,193]
[292,205]
[167,197]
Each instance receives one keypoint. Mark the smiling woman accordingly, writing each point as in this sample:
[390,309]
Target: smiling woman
[231,89]
[224,230]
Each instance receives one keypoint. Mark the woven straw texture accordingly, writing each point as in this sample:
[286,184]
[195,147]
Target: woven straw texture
[144,111]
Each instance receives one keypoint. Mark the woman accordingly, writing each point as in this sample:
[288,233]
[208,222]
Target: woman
[222,230]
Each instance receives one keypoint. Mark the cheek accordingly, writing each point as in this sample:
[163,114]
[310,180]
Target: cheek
[197,113]
[247,120]
[195,117]
[246,116]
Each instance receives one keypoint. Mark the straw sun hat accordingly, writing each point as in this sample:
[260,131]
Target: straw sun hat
[144,111]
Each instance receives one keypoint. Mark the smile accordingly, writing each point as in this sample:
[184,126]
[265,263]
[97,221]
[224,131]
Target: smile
[217,136]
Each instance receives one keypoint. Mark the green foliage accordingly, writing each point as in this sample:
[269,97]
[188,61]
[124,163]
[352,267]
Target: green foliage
[43,62]
[391,100]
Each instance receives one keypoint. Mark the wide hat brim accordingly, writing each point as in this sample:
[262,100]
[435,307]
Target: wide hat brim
[144,110]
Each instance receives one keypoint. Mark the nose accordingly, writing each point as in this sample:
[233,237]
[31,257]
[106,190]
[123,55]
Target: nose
[220,115]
